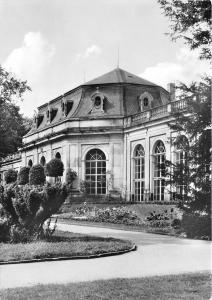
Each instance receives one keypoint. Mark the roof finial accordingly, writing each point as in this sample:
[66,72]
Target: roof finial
[118,58]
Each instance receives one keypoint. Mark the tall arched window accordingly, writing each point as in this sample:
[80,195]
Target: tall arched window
[139,173]
[159,171]
[43,161]
[182,146]
[95,172]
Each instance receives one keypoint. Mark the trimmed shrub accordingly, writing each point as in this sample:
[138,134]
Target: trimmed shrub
[54,168]
[23,175]
[196,226]
[37,175]
[10,176]
[26,208]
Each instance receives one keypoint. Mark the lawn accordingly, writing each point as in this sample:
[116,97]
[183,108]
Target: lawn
[187,286]
[62,244]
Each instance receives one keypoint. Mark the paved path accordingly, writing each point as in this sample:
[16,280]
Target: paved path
[156,255]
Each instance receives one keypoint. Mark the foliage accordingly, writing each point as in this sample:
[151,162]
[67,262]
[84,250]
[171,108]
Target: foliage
[4,230]
[118,215]
[158,219]
[37,175]
[197,226]
[27,207]
[12,124]
[191,21]
[54,168]
[70,176]
[195,173]
[23,175]
[10,176]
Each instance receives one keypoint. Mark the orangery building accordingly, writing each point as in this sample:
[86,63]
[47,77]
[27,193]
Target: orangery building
[113,131]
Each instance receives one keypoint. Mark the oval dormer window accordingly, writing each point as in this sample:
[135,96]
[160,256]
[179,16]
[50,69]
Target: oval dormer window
[97,101]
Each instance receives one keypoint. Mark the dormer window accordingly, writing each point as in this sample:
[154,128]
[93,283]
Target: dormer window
[53,113]
[67,107]
[145,101]
[97,101]
[39,120]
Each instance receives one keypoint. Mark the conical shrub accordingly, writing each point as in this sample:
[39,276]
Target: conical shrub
[23,175]
[54,168]
[10,176]
[37,175]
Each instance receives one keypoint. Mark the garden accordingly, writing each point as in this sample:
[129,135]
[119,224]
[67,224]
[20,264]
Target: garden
[27,232]
[166,219]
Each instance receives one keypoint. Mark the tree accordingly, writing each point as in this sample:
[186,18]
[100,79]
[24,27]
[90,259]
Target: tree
[12,124]
[194,172]
[191,21]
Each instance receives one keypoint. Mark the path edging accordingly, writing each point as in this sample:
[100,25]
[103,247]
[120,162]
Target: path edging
[112,253]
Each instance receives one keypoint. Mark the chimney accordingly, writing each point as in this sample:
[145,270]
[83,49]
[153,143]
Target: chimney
[171,90]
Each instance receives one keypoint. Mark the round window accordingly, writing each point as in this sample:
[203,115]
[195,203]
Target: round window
[97,101]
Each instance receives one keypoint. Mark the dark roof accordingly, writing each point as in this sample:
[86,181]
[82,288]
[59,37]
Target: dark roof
[119,76]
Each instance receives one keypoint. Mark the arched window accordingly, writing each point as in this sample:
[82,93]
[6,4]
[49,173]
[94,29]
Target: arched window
[139,173]
[57,155]
[182,146]
[30,163]
[43,161]
[159,171]
[95,172]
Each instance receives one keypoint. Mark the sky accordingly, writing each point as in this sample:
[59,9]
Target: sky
[56,45]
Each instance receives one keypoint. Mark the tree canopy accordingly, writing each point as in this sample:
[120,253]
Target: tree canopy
[191,21]
[12,124]
[195,124]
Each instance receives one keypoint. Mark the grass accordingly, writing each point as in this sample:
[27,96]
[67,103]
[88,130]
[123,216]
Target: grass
[187,286]
[62,244]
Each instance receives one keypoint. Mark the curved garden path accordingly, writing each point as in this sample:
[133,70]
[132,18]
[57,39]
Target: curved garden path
[156,255]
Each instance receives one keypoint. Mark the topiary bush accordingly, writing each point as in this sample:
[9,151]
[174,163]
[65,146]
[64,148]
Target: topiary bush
[27,208]
[54,168]
[37,175]
[10,176]
[23,175]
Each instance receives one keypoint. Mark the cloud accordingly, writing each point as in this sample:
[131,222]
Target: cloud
[90,51]
[29,61]
[186,68]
